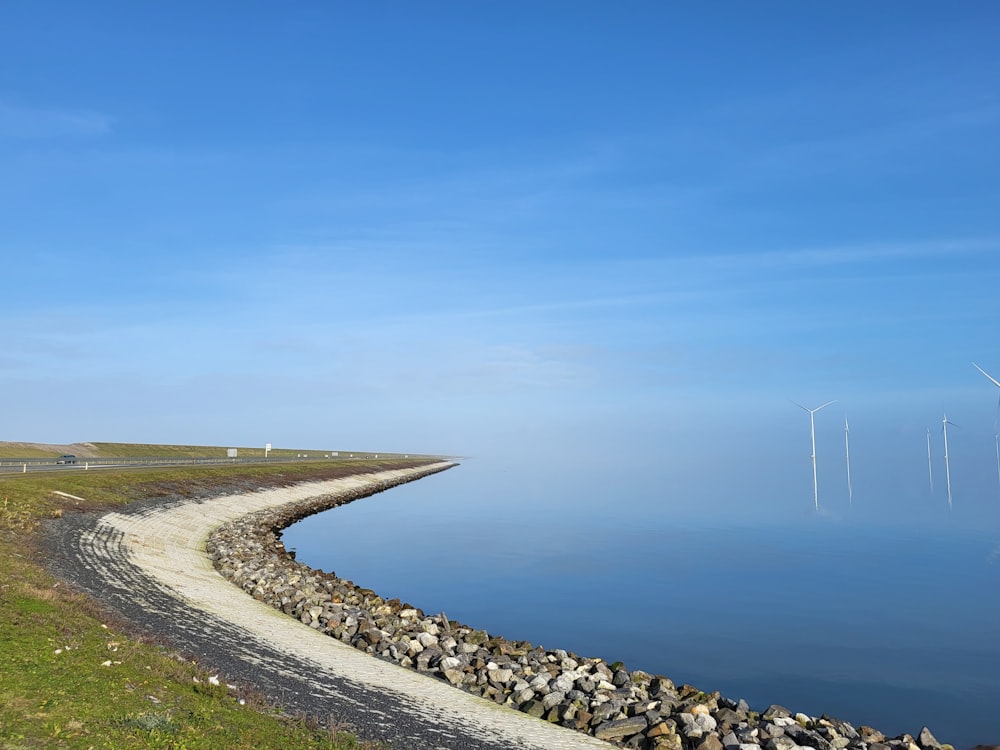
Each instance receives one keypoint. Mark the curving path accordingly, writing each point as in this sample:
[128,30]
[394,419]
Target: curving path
[148,562]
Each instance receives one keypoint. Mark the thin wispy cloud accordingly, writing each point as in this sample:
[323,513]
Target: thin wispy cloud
[21,122]
[861,254]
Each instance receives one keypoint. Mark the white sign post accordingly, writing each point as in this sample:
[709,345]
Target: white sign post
[267,449]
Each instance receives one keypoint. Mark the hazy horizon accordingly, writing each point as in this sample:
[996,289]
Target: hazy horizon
[563,228]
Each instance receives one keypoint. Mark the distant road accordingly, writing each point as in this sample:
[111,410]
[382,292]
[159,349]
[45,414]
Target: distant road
[25,465]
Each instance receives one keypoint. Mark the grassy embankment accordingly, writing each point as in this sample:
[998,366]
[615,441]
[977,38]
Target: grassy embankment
[145,450]
[72,677]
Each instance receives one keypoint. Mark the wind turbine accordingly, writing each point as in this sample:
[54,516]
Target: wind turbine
[947,468]
[847,453]
[930,471]
[812,432]
[996,432]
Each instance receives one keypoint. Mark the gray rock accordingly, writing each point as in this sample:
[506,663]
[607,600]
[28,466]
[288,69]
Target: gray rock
[928,741]
[568,712]
[776,711]
[636,707]
[844,729]
[453,675]
[540,684]
[613,730]
[426,639]
[668,742]
[654,717]
[807,738]
[450,662]
[870,735]
[746,734]
[427,660]
[500,676]
[413,647]
[552,700]
[534,708]
[727,717]
[696,726]
[563,683]
[606,712]
[620,677]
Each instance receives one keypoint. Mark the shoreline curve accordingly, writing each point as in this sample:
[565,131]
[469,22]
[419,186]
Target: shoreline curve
[148,562]
[155,564]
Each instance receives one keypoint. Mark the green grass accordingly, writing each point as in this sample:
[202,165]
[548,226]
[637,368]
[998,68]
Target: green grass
[143,450]
[20,450]
[152,450]
[72,677]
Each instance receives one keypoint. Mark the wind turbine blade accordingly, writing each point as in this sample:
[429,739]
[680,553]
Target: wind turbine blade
[813,411]
[991,378]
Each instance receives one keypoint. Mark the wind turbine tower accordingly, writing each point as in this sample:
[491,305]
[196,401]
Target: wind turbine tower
[847,453]
[996,439]
[947,467]
[930,470]
[812,432]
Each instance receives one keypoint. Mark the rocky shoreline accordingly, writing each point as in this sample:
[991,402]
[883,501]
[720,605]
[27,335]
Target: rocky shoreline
[630,708]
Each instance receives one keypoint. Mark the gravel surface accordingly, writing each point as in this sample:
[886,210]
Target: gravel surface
[148,564]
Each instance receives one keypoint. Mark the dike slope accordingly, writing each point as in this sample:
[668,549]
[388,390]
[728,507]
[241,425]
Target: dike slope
[149,563]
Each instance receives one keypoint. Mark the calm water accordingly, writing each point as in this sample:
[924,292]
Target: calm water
[874,612]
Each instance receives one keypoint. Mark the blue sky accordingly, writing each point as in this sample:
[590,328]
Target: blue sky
[456,227]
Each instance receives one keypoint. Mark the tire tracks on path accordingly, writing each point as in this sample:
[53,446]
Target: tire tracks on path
[148,563]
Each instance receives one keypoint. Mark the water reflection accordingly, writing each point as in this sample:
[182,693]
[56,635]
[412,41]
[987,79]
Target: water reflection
[850,612]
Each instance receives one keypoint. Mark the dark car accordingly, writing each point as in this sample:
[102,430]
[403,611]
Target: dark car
[66,458]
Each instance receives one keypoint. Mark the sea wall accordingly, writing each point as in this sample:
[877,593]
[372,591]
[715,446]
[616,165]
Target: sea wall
[630,708]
